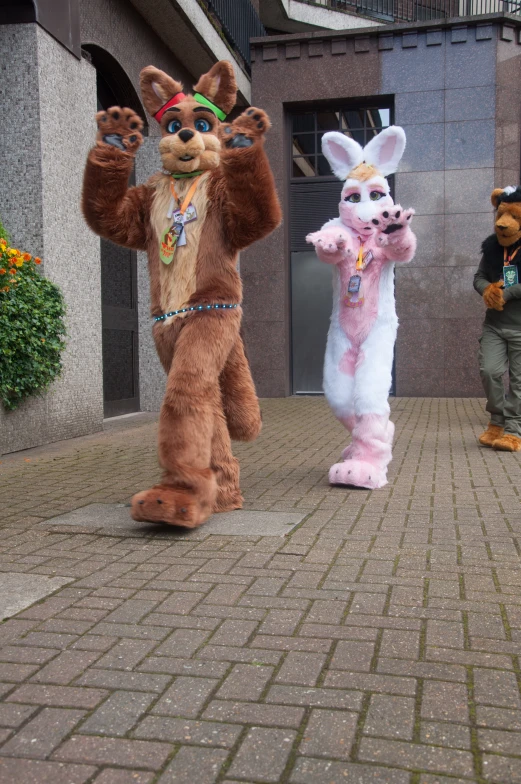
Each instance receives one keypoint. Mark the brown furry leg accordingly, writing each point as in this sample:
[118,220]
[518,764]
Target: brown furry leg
[188,491]
[240,402]
[226,468]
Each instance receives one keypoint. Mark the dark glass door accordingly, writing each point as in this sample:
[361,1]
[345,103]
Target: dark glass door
[119,310]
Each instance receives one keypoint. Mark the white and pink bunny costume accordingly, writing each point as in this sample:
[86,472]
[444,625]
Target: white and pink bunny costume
[363,244]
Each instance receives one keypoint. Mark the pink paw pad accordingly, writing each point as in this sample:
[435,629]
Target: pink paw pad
[357,473]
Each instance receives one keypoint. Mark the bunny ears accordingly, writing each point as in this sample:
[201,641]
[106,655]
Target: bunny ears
[383,152]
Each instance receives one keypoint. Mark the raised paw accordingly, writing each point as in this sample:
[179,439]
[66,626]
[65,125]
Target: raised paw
[119,128]
[330,242]
[163,504]
[392,220]
[357,473]
[246,129]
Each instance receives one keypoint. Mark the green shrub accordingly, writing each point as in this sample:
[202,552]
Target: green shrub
[32,328]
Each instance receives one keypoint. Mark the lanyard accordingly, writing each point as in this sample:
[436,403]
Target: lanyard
[507,259]
[360,258]
[188,197]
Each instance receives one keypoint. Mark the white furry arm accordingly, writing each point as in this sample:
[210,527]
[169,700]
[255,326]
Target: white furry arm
[332,245]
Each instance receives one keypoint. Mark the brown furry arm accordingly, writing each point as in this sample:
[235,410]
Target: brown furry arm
[112,209]
[493,296]
[250,204]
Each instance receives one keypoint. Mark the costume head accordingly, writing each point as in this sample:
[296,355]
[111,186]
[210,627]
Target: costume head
[507,202]
[366,191]
[190,124]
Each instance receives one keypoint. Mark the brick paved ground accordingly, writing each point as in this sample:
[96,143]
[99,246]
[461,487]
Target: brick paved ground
[379,644]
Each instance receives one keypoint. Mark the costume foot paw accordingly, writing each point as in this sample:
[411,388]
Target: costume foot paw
[507,443]
[163,504]
[248,127]
[357,473]
[491,434]
[120,128]
[228,500]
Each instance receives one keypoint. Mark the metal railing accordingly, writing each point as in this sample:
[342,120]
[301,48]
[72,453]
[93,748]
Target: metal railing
[419,10]
[240,22]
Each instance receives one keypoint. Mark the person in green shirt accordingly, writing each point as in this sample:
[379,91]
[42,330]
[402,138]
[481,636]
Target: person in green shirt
[497,280]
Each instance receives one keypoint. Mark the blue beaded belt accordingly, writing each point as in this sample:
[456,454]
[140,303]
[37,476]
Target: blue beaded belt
[216,306]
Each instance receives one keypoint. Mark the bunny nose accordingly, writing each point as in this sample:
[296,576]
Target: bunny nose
[185,135]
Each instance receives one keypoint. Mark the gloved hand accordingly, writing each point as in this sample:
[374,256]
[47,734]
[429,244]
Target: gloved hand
[493,296]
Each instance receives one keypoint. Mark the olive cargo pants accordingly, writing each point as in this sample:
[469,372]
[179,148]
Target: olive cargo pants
[500,349]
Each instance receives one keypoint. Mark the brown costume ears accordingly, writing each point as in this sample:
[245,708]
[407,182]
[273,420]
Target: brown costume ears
[157,88]
[218,85]
[494,198]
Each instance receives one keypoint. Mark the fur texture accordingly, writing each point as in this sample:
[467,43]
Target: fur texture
[491,434]
[210,395]
[507,443]
[359,352]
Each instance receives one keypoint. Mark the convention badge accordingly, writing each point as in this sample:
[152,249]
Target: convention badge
[353,298]
[353,287]
[367,259]
[168,242]
[189,215]
[510,275]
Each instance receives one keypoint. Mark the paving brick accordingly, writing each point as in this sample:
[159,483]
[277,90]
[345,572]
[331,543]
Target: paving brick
[171,666]
[12,715]
[263,754]
[234,633]
[444,734]
[329,734]
[416,756]
[186,697]
[325,698]
[114,751]
[65,667]
[245,682]
[205,733]
[182,643]
[42,734]
[114,776]
[315,771]
[21,655]
[370,682]
[502,770]
[117,715]
[301,668]
[263,715]
[20,771]
[207,763]
[445,701]
[281,622]
[493,687]
[126,654]
[16,673]
[112,679]
[390,717]
[60,696]
[353,656]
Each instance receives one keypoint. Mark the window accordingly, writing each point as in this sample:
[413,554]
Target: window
[361,124]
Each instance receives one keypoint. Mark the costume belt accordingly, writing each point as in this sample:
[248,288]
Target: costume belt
[196,308]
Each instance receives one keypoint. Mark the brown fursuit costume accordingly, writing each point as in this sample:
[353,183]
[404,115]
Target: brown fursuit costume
[210,396]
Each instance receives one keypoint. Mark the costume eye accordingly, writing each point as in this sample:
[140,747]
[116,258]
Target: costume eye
[375,195]
[173,126]
[203,126]
[354,198]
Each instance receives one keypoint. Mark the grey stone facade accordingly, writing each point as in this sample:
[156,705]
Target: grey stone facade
[47,126]
[39,204]
[456,91]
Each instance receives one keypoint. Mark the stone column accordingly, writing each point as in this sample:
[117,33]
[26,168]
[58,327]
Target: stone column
[48,100]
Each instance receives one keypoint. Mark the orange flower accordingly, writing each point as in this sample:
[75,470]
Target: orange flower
[27,257]
[3,243]
[37,260]
[6,288]
[2,271]
[12,272]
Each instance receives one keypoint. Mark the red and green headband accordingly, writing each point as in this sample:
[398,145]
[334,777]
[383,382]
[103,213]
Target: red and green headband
[198,97]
